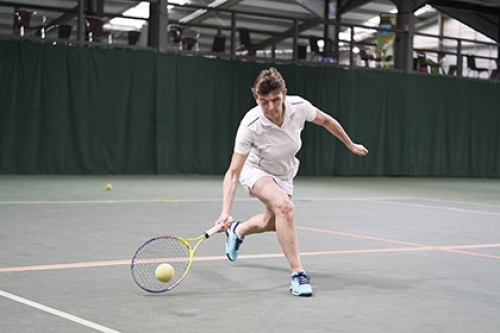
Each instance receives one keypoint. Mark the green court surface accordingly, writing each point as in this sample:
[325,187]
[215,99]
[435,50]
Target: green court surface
[385,255]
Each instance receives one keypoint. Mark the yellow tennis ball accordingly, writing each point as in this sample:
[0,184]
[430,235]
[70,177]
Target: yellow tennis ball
[109,186]
[165,272]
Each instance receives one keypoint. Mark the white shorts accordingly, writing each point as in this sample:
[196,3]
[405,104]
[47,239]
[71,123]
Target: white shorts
[249,176]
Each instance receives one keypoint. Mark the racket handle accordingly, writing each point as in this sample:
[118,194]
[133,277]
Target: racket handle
[213,230]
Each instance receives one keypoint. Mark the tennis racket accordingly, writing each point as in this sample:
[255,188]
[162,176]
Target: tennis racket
[176,251]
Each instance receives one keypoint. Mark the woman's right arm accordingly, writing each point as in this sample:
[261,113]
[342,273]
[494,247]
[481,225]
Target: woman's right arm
[229,187]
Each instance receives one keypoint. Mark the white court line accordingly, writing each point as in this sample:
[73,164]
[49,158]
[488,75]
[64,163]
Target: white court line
[320,199]
[71,202]
[462,210]
[58,313]
[50,202]
[388,200]
[461,202]
[173,200]
[353,199]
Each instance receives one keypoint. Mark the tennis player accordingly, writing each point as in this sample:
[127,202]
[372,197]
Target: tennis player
[264,162]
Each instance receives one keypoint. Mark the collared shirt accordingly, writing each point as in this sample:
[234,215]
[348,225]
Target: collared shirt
[272,148]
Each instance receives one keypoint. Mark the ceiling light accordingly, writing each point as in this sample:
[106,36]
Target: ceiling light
[423,10]
[193,15]
[200,12]
[217,3]
[177,2]
[141,11]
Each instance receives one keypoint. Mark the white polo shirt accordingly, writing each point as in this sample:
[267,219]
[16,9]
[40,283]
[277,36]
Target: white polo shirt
[271,148]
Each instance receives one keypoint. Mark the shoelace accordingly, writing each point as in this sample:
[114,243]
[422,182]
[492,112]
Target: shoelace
[237,243]
[302,278]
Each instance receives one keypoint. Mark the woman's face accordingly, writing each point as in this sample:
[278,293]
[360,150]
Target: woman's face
[272,105]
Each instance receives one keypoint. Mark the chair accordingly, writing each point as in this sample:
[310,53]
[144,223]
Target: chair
[452,70]
[133,37]
[246,42]
[189,40]
[219,44]
[366,57]
[436,67]
[495,75]
[189,43]
[471,64]
[301,51]
[94,30]
[23,21]
[422,65]
[64,31]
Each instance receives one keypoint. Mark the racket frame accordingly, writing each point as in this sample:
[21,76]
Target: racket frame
[191,252]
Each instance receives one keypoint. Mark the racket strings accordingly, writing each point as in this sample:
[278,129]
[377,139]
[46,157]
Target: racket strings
[157,251]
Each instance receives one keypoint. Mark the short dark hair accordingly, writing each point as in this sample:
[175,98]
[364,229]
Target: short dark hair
[268,81]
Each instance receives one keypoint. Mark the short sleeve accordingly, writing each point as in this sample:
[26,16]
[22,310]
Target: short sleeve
[309,110]
[243,142]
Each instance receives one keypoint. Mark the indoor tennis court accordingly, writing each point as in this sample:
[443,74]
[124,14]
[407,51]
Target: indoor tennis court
[385,255]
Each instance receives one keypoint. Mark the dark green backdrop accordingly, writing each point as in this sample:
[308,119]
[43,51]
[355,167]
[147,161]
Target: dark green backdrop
[74,110]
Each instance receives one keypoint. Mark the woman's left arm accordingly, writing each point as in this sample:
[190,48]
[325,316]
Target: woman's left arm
[334,127]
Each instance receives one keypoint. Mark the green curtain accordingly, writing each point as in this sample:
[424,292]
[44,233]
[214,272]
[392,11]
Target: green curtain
[85,110]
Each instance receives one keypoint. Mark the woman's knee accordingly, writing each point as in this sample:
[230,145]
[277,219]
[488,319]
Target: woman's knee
[285,207]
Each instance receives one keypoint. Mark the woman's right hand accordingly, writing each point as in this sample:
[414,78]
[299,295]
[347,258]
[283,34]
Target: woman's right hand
[225,220]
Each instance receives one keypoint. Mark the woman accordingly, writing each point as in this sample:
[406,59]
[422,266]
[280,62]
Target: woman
[264,161]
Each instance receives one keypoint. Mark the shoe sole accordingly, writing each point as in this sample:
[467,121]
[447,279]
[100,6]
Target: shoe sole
[303,294]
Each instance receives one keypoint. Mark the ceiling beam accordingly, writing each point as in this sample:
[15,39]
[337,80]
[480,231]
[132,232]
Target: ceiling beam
[63,18]
[33,6]
[467,6]
[414,4]
[314,6]
[289,33]
[317,7]
[204,14]
[488,25]
[349,5]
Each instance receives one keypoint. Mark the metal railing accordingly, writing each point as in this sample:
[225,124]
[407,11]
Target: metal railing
[285,46]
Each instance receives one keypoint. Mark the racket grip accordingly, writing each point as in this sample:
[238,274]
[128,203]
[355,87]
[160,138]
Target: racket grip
[213,230]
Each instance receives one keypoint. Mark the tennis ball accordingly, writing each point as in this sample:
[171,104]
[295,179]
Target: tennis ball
[109,186]
[165,272]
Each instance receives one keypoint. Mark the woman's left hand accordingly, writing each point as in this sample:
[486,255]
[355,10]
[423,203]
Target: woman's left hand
[359,150]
